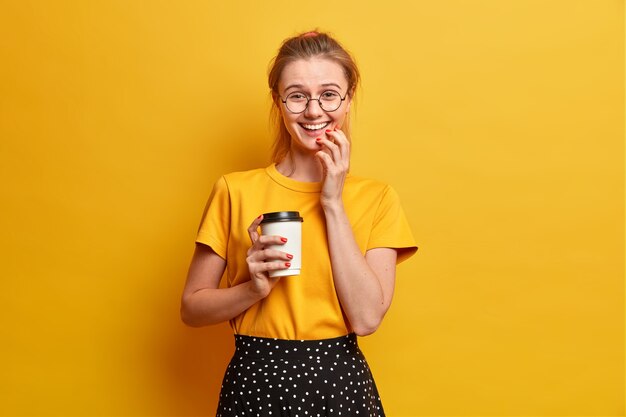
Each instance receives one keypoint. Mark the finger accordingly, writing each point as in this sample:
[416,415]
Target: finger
[266,240]
[262,241]
[323,148]
[253,230]
[333,149]
[267,255]
[273,266]
[337,134]
[325,160]
[339,161]
[341,140]
[260,268]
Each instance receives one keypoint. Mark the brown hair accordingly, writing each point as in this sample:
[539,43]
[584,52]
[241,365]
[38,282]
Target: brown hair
[305,46]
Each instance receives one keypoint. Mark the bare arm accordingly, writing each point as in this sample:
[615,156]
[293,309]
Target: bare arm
[204,303]
[364,284]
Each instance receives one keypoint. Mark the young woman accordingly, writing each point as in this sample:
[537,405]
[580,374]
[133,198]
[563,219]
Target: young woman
[295,336]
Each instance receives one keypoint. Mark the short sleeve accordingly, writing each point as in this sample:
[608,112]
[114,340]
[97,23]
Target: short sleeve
[215,225]
[390,228]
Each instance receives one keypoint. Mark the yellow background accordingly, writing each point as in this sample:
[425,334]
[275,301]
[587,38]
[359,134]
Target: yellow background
[500,123]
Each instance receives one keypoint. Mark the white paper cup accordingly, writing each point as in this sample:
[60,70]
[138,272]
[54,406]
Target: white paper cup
[286,224]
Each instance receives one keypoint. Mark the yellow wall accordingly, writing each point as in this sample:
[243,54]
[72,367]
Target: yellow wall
[500,123]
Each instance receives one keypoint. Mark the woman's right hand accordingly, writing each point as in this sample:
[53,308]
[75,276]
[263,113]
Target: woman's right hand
[261,259]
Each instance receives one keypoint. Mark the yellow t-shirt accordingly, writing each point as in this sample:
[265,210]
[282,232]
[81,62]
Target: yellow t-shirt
[304,306]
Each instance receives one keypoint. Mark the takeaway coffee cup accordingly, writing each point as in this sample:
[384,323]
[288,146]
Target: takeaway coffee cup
[287,224]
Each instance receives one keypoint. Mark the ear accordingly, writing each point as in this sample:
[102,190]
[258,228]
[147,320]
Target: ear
[278,106]
[275,98]
[349,100]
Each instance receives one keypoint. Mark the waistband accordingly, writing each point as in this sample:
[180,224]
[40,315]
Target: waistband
[281,349]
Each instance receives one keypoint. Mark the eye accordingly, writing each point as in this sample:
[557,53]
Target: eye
[296,97]
[330,95]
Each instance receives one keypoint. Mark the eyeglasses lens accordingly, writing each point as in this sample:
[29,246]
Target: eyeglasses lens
[328,101]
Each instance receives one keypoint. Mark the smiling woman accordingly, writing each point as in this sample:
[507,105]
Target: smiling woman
[303,49]
[296,335]
[310,107]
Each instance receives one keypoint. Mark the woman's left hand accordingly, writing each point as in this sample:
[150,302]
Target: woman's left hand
[335,160]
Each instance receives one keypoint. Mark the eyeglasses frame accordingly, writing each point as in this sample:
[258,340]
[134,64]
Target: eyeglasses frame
[308,99]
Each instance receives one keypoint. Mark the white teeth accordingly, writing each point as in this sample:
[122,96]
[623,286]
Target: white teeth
[315,127]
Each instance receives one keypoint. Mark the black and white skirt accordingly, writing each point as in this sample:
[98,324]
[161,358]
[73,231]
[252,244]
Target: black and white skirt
[298,378]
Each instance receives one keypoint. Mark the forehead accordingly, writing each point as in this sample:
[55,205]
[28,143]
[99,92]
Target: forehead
[311,73]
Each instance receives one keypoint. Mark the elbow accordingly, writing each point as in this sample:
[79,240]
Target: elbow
[364,331]
[365,328]
[187,316]
[370,322]
[186,320]
[190,321]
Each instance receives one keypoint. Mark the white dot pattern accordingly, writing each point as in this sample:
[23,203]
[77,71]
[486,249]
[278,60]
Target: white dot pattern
[298,378]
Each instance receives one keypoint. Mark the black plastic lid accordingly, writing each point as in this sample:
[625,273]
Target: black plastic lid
[282,216]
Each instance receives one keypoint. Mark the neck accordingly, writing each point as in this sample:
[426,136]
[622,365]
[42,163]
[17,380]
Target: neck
[305,168]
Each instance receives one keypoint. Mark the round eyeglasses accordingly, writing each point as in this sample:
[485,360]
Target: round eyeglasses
[329,100]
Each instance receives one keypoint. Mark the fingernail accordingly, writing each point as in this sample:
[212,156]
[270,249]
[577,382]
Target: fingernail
[283,239]
[260,216]
[328,130]
[287,264]
[289,256]
[318,139]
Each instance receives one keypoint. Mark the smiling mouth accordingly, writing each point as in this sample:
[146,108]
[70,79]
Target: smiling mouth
[314,127]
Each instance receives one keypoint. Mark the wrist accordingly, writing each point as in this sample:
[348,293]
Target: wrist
[332,207]
[255,292]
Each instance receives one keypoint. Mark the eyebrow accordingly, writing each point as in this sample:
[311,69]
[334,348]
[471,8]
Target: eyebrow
[302,86]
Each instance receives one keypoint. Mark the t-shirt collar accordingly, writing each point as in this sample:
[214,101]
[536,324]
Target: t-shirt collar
[301,186]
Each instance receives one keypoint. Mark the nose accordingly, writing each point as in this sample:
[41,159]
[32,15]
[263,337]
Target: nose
[313,109]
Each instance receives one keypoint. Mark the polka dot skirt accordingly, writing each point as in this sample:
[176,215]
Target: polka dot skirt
[298,378]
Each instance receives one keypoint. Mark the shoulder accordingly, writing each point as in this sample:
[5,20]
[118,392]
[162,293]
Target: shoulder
[244,176]
[357,184]
[252,183]
[243,179]
[374,194]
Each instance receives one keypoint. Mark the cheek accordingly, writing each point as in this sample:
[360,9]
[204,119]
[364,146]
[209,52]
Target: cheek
[290,125]
[286,120]
[341,116]
[287,117]
[289,122]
